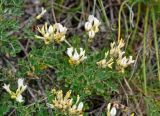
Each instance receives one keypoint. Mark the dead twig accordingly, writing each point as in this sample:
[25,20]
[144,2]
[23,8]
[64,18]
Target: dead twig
[31,93]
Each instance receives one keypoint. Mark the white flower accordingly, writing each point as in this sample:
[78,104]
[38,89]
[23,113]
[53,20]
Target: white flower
[7,88]
[80,106]
[16,95]
[76,108]
[60,101]
[52,33]
[88,26]
[94,21]
[109,106]
[130,60]
[19,98]
[47,33]
[116,49]
[65,103]
[101,63]
[118,55]
[111,111]
[70,51]
[50,105]
[91,34]
[59,32]
[59,28]
[123,62]
[104,63]
[76,58]
[41,14]
[121,44]
[21,86]
[92,26]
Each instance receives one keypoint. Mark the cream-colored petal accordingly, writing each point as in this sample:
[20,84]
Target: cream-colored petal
[130,61]
[121,53]
[7,88]
[50,29]
[50,105]
[19,98]
[102,63]
[82,52]
[62,38]
[91,18]
[74,107]
[70,51]
[113,111]
[83,58]
[68,94]
[80,106]
[70,102]
[20,82]
[91,34]
[109,106]
[88,26]
[41,14]
[96,22]
[45,27]
[82,55]
[60,95]
[121,44]
[63,30]
[106,54]
[75,55]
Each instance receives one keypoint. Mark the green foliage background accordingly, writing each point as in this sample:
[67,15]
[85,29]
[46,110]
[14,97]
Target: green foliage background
[49,65]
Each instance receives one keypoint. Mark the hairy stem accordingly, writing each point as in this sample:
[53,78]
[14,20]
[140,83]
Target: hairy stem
[144,50]
[155,41]
[104,13]
[119,20]
[137,22]
[144,58]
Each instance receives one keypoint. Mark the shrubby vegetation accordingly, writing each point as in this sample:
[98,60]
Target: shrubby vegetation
[79,58]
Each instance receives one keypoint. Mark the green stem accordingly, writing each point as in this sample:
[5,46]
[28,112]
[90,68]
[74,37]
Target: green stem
[104,13]
[67,43]
[137,22]
[155,41]
[144,50]
[94,6]
[125,22]
[119,20]
[144,58]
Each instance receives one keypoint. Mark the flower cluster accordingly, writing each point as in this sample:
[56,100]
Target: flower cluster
[123,62]
[59,32]
[47,33]
[113,107]
[117,55]
[92,26]
[56,33]
[104,63]
[65,103]
[76,58]
[116,49]
[16,95]
[52,33]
